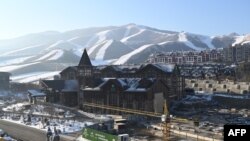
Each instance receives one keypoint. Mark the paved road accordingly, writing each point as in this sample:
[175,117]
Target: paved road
[26,133]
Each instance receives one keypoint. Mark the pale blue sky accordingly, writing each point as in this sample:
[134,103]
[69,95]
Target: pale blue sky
[210,17]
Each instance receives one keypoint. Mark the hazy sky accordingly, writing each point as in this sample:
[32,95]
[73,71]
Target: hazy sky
[211,17]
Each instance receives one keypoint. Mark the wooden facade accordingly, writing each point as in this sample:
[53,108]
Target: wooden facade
[139,87]
[70,73]
[63,92]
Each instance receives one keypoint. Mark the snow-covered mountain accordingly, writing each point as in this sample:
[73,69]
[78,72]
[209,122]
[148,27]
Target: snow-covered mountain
[40,53]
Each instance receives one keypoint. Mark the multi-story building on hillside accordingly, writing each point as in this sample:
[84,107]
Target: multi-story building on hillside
[190,57]
[237,53]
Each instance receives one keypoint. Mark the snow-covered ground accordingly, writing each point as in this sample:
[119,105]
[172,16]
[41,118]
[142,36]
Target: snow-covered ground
[42,110]
[15,107]
[64,125]
[80,138]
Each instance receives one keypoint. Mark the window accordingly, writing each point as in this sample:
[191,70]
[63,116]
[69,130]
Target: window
[113,88]
[85,72]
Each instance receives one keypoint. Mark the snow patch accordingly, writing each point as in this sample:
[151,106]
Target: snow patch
[102,36]
[15,67]
[90,50]
[163,43]
[128,28]
[123,59]
[102,62]
[78,52]
[71,39]
[55,44]
[136,34]
[246,42]
[33,77]
[52,55]
[100,54]
[22,49]
[15,61]
[91,41]
[183,38]
[207,40]
[238,40]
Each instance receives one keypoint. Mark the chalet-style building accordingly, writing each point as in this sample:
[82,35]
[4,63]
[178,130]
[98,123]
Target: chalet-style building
[70,73]
[64,92]
[140,87]
[4,81]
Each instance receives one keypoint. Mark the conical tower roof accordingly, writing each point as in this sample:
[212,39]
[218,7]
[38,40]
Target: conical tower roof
[85,61]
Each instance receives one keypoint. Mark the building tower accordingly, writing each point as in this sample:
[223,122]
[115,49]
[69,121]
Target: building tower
[85,74]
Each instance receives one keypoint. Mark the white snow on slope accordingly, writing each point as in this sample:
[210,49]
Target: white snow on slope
[183,38]
[22,49]
[245,42]
[123,59]
[163,43]
[78,52]
[207,40]
[15,67]
[14,61]
[136,34]
[33,77]
[76,45]
[101,52]
[90,41]
[90,50]
[128,28]
[102,36]
[71,39]
[57,55]
[238,40]
[55,44]
[102,62]
[52,55]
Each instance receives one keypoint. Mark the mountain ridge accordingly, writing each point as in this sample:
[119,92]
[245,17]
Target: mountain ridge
[126,44]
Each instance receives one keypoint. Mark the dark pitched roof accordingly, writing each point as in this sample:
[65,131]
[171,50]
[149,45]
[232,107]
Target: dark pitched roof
[166,68]
[36,93]
[85,61]
[54,84]
[61,85]
[127,84]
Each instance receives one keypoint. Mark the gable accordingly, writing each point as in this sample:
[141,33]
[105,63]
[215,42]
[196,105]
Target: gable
[112,84]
